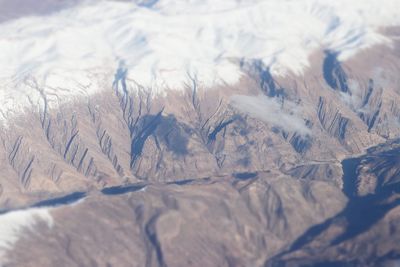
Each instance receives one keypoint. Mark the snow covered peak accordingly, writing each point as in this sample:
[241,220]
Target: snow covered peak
[162,42]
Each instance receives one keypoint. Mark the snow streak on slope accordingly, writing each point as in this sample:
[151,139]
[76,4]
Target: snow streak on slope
[13,223]
[162,42]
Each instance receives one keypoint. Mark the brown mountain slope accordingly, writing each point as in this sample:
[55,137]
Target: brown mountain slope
[243,175]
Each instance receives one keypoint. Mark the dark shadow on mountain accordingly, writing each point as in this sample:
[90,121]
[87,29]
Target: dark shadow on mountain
[123,189]
[64,200]
[173,134]
[245,175]
[182,182]
[333,72]
[361,212]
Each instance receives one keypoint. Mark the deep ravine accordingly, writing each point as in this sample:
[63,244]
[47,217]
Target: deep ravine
[359,215]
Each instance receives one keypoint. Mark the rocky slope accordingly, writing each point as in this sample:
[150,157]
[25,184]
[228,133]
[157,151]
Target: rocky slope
[365,232]
[299,169]
[223,186]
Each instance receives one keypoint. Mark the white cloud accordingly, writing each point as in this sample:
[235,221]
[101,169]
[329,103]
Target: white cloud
[353,99]
[271,111]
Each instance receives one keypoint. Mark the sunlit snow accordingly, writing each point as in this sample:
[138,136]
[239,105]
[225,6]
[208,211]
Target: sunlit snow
[164,41]
[12,225]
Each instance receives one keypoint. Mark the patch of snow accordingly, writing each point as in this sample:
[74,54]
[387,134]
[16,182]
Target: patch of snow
[14,223]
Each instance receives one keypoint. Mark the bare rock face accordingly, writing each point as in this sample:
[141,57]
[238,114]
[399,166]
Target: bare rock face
[127,134]
[271,171]
[364,233]
[225,221]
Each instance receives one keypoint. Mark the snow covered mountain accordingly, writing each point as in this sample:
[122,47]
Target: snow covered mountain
[199,133]
[165,43]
